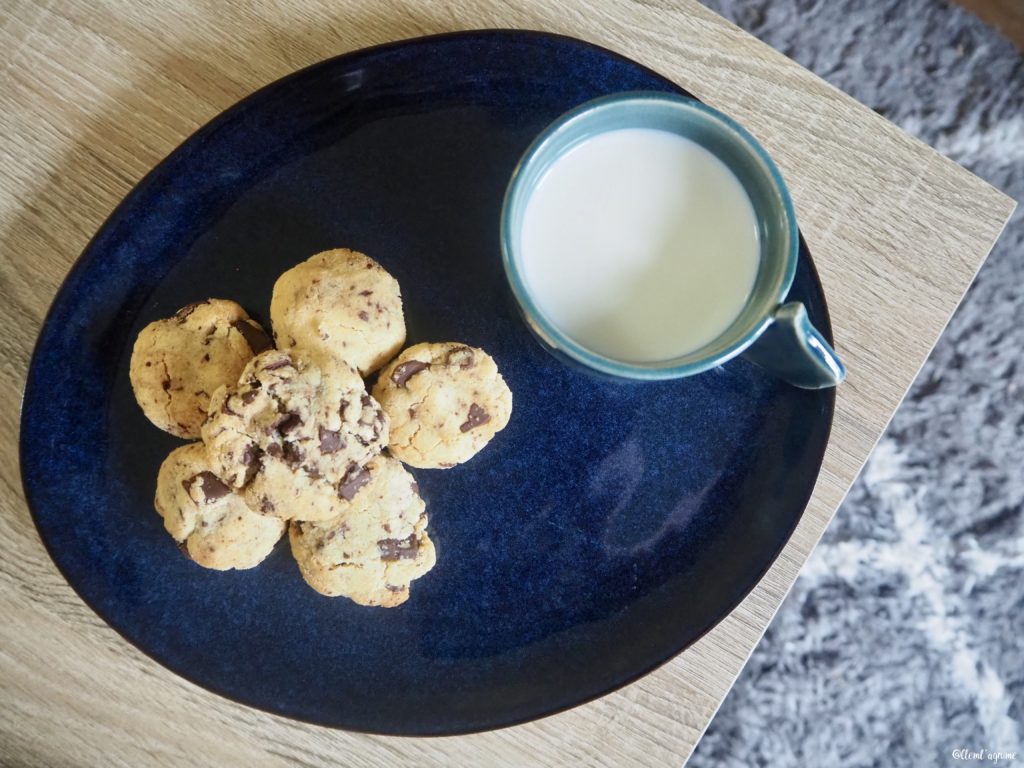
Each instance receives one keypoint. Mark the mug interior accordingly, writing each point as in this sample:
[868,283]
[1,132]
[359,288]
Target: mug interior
[734,146]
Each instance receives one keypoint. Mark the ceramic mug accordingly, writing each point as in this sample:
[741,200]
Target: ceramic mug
[775,335]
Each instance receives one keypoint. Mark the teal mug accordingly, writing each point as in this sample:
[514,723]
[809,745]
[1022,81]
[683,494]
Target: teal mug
[776,335]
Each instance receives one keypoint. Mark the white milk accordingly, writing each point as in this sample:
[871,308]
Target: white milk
[640,245]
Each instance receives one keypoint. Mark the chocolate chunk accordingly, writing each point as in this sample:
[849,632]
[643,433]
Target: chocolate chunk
[257,340]
[274,450]
[293,455]
[312,473]
[286,363]
[249,396]
[206,358]
[330,441]
[287,423]
[363,316]
[166,384]
[211,486]
[462,357]
[266,506]
[406,371]
[188,309]
[355,478]
[251,459]
[365,293]
[399,549]
[476,417]
[250,454]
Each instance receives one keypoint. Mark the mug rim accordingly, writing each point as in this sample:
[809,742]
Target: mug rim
[562,342]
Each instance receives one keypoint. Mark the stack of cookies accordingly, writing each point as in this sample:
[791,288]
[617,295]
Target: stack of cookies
[290,437]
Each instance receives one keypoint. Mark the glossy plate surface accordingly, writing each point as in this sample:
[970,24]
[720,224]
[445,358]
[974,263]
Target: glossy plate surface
[609,526]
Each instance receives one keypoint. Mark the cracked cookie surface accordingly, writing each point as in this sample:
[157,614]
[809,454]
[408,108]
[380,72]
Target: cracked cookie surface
[339,303]
[209,521]
[177,363]
[291,438]
[372,551]
[445,402]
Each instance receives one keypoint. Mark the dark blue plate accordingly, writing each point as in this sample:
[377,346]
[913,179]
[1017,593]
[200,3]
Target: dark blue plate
[607,528]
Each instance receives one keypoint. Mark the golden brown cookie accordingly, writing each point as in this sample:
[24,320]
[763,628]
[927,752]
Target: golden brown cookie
[215,526]
[445,402]
[339,303]
[178,363]
[293,438]
[372,551]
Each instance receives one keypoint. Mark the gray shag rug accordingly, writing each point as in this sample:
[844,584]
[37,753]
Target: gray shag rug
[903,640]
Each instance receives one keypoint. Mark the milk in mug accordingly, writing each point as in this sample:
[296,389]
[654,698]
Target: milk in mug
[640,245]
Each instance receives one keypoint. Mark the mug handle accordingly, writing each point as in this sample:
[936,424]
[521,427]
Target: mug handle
[793,349]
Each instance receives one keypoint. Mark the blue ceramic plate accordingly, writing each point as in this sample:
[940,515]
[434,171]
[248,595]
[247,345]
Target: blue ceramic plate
[607,528]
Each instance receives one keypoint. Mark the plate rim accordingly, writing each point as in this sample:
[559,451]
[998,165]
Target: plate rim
[87,256]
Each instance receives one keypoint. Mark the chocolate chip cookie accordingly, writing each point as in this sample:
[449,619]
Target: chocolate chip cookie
[177,363]
[445,402]
[211,523]
[291,438]
[340,303]
[372,551]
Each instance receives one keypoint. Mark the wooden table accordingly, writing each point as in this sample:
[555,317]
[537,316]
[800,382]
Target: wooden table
[93,96]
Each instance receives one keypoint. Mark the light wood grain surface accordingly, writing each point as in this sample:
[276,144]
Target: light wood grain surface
[93,95]
[1005,15]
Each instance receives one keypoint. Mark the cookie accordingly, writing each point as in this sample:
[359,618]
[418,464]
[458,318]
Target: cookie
[445,402]
[177,363]
[340,303]
[212,524]
[291,438]
[372,551]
